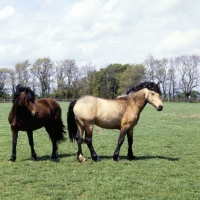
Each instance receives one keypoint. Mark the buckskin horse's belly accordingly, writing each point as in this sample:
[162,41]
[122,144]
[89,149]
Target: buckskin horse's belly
[111,123]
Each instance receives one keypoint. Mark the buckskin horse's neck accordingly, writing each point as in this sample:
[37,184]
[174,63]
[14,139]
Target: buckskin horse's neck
[139,98]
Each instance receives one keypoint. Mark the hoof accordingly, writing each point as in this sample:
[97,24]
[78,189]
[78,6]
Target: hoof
[53,157]
[33,158]
[132,157]
[96,159]
[116,158]
[12,159]
[81,158]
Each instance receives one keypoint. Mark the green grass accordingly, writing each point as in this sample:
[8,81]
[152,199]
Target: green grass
[168,165]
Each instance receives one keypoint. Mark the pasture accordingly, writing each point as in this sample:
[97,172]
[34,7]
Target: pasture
[168,165]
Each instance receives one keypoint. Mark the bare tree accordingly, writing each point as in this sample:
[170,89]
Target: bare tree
[161,72]
[171,78]
[3,81]
[44,70]
[151,66]
[187,66]
[87,72]
[12,80]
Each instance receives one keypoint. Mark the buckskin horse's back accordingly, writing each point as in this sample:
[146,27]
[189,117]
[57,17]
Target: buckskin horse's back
[102,112]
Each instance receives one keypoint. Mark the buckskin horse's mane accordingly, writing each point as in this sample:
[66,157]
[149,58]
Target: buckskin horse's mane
[149,85]
[30,95]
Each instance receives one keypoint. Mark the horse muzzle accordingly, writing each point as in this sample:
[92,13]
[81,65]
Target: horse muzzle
[35,114]
[159,108]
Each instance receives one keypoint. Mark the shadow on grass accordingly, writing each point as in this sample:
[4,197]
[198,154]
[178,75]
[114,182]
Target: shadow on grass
[156,157]
[143,158]
[47,157]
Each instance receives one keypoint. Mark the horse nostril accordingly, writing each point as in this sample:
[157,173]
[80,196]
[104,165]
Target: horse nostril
[160,108]
[35,114]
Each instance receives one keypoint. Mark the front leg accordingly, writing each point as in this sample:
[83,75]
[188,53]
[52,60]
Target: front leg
[14,145]
[119,144]
[130,143]
[31,143]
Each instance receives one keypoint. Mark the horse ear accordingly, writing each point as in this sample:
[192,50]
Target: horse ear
[151,85]
[27,89]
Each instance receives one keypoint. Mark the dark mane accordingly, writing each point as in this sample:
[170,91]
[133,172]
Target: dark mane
[30,95]
[147,84]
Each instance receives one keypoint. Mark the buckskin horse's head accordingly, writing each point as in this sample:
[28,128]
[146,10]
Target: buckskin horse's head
[153,95]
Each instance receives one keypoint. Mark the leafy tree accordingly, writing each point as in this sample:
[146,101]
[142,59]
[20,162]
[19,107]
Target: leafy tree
[44,70]
[67,74]
[106,82]
[22,73]
[133,74]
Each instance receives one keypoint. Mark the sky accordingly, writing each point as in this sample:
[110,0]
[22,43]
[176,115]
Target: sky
[97,31]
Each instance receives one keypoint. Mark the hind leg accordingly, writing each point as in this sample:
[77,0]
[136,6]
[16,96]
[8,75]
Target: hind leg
[51,131]
[31,143]
[88,140]
[79,139]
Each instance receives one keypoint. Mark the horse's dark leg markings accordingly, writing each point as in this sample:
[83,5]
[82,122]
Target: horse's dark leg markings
[120,142]
[54,154]
[31,143]
[130,143]
[79,139]
[88,140]
[14,145]
[50,130]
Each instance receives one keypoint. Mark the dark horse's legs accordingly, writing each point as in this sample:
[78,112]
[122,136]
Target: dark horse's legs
[31,143]
[14,144]
[88,140]
[52,134]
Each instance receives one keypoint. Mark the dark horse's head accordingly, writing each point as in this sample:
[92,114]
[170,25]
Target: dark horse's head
[26,98]
[153,94]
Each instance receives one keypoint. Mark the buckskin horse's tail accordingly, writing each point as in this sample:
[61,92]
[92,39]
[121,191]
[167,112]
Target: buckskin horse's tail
[72,126]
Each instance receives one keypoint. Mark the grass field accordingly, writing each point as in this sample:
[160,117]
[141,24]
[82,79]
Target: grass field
[168,165]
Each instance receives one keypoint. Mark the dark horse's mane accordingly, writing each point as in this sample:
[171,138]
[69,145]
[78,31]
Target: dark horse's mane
[147,84]
[30,95]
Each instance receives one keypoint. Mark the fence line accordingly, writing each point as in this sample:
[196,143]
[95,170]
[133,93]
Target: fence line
[192,100]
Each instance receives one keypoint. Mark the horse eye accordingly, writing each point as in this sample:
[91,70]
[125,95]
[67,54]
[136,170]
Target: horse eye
[153,93]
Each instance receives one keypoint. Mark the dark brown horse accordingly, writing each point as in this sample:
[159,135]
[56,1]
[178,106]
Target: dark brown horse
[28,114]
[122,113]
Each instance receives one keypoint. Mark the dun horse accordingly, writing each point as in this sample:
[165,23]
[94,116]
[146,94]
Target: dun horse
[28,114]
[122,113]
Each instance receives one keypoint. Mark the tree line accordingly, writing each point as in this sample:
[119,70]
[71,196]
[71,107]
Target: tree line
[65,80]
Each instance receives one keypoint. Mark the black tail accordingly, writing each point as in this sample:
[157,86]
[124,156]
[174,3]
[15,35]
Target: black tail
[60,136]
[72,126]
